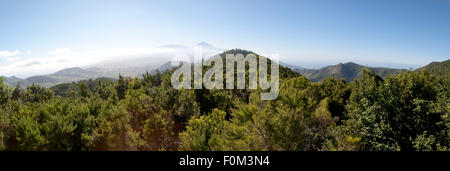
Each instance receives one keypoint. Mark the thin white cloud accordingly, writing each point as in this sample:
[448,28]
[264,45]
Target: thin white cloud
[8,53]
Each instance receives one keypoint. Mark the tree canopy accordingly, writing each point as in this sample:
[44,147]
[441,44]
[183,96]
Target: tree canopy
[409,112]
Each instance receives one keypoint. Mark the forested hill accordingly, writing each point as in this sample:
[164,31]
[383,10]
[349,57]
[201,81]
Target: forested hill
[284,72]
[13,81]
[347,71]
[67,89]
[439,69]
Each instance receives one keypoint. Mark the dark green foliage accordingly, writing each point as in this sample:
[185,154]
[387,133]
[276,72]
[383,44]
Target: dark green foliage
[203,133]
[338,93]
[347,71]
[5,94]
[84,90]
[27,132]
[149,80]
[105,90]
[396,113]
[121,87]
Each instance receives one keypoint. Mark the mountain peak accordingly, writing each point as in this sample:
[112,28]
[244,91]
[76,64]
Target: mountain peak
[14,77]
[347,71]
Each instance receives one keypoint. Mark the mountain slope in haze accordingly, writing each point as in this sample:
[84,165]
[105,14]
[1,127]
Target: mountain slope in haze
[63,76]
[438,69]
[133,66]
[347,71]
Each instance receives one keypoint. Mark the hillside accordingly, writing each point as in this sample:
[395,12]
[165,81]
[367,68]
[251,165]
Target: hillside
[348,71]
[439,69]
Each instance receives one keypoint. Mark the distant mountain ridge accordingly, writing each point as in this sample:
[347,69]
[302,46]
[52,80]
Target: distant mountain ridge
[137,66]
[347,71]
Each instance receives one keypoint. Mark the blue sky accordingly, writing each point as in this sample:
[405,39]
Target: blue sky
[313,33]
